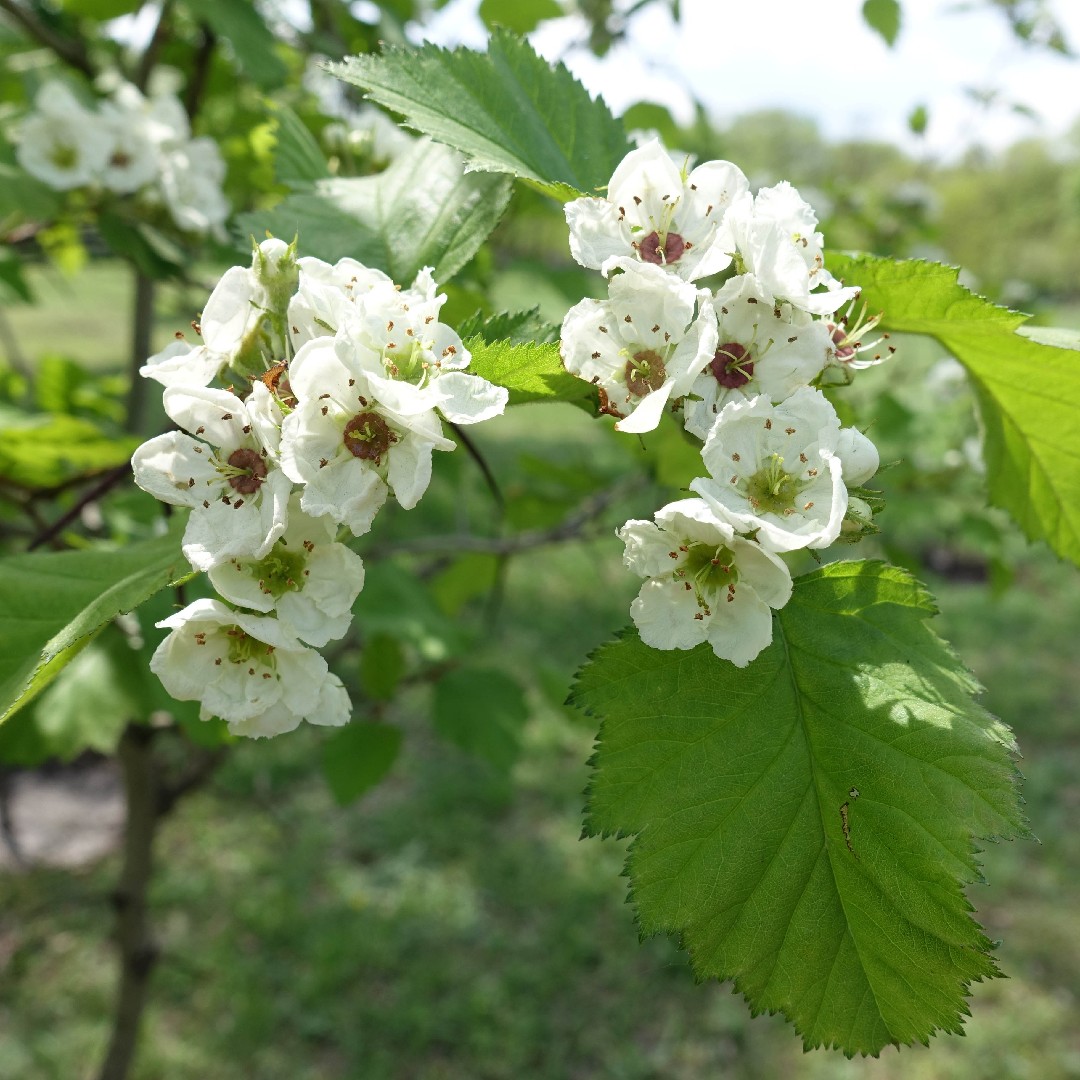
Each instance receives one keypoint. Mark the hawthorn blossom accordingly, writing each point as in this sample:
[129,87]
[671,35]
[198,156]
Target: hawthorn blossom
[776,239]
[306,578]
[247,669]
[346,447]
[704,583]
[245,317]
[221,470]
[644,346]
[656,214]
[191,180]
[182,364]
[63,143]
[414,362]
[775,469]
[132,159]
[764,348]
[326,296]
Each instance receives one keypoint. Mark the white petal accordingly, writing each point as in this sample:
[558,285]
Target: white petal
[175,468]
[738,630]
[664,615]
[858,455]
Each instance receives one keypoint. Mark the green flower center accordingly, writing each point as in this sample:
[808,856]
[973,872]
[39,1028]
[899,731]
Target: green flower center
[244,649]
[771,489]
[63,156]
[709,568]
[279,572]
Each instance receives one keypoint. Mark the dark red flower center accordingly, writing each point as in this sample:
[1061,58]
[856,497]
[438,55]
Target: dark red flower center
[645,372]
[732,366]
[253,471]
[368,436]
[651,252]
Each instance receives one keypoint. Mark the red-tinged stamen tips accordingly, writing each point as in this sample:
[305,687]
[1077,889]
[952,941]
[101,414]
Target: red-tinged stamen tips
[252,471]
[651,252]
[732,366]
[368,436]
[645,373]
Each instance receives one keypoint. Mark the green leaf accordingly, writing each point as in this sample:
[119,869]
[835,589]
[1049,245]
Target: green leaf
[50,602]
[917,120]
[150,250]
[1028,393]
[422,211]
[518,327]
[507,110]
[520,16]
[100,10]
[298,160]
[884,17]
[482,711]
[382,664]
[805,825]
[43,451]
[251,39]
[357,757]
[531,372]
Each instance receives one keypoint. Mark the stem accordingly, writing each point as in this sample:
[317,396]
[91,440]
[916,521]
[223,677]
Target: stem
[138,953]
[200,72]
[109,481]
[153,49]
[72,52]
[141,344]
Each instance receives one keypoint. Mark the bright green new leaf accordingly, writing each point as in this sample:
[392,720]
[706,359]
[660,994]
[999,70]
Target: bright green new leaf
[884,17]
[1028,393]
[517,327]
[531,372]
[357,757]
[43,451]
[520,16]
[806,825]
[50,602]
[394,221]
[482,711]
[507,110]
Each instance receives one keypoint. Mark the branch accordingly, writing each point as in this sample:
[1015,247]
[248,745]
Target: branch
[153,49]
[109,481]
[485,468]
[200,72]
[72,52]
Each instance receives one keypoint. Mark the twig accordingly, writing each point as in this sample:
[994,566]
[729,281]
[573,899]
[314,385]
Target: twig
[109,481]
[485,468]
[72,52]
[200,72]
[153,49]
[142,330]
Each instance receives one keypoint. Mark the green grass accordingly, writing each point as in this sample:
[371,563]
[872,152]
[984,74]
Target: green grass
[452,925]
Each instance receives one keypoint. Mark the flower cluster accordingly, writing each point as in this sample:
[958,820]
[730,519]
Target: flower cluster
[742,364]
[131,144]
[337,379]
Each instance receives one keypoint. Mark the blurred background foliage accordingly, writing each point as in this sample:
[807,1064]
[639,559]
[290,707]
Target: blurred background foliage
[435,915]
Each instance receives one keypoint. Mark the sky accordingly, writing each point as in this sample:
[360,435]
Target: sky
[738,56]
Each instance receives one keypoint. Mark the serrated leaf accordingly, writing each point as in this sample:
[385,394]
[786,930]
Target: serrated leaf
[1028,393]
[50,602]
[518,327]
[884,17]
[507,110]
[357,757]
[531,372]
[482,711]
[424,210]
[806,824]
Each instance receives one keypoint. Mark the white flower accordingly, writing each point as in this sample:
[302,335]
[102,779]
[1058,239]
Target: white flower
[777,240]
[858,455]
[775,469]
[326,296]
[191,177]
[657,214]
[644,345]
[182,364]
[704,583]
[306,577]
[248,670]
[764,348]
[414,362]
[238,498]
[346,447]
[245,317]
[132,160]
[63,144]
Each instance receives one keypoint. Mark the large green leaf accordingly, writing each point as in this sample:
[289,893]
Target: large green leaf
[253,42]
[806,824]
[507,110]
[1028,393]
[45,450]
[51,603]
[424,210]
[531,372]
